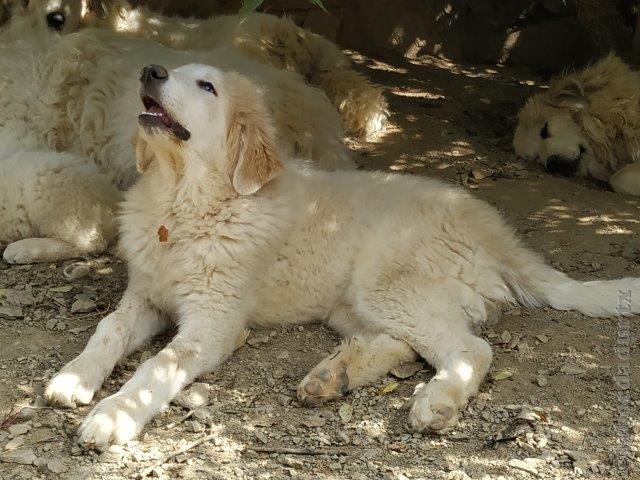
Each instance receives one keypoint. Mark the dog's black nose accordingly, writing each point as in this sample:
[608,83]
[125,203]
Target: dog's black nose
[153,73]
[567,167]
[56,20]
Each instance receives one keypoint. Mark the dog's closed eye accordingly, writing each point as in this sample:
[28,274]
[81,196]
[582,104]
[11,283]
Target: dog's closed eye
[207,86]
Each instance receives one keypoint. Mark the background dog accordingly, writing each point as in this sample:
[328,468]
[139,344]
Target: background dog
[587,123]
[88,101]
[218,232]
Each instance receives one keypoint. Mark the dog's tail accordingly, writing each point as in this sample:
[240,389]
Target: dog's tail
[533,283]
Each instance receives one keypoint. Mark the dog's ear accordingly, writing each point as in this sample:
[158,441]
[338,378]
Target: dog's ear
[252,157]
[144,155]
[570,96]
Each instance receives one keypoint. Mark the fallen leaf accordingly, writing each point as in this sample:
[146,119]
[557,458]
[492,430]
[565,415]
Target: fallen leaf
[345,412]
[501,374]
[387,388]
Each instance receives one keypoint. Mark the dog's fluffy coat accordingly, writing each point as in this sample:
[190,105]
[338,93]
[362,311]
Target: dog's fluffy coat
[85,84]
[400,265]
[597,107]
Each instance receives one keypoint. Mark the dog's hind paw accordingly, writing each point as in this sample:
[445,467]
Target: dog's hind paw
[322,384]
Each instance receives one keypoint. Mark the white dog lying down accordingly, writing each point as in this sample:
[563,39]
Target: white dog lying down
[266,38]
[77,93]
[587,123]
[219,233]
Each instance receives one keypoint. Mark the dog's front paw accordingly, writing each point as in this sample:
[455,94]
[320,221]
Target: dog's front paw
[322,384]
[18,253]
[431,411]
[115,420]
[72,385]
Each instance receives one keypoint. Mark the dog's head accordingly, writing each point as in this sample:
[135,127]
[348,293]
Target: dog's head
[201,118]
[548,131]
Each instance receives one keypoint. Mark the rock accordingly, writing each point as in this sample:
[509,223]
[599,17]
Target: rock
[18,429]
[83,304]
[407,370]
[14,444]
[56,465]
[255,342]
[195,427]
[314,421]
[18,298]
[572,369]
[576,455]
[541,380]
[345,412]
[195,396]
[523,466]
[10,312]
[23,456]
[291,462]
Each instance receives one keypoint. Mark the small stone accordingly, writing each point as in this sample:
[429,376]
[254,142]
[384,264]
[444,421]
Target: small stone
[542,380]
[18,298]
[543,338]
[14,444]
[501,374]
[255,342]
[195,427]
[291,462]
[581,412]
[18,429]
[195,396]
[51,323]
[576,455]
[262,437]
[407,370]
[345,412]
[56,465]
[572,369]
[23,456]
[505,337]
[523,465]
[9,312]
[283,355]
[83,304]
[315,421]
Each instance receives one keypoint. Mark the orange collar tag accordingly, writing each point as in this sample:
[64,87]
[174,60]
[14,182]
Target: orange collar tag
[163,234]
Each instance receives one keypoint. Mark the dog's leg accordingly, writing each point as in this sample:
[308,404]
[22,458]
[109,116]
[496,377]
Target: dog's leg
[131,325]
[627,180]
[203,342]
[35,250]
[461,360]
[360,360]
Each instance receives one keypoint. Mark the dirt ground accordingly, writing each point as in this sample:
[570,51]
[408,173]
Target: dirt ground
[549,410]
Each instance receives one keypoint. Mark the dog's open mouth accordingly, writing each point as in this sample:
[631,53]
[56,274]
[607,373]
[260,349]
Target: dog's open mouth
[155,116]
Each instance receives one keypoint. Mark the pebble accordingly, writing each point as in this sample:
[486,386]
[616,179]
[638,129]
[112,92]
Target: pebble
[83,304]
[407,370]
[572,369]
[23,456]
[18,429]
[56,465]
[523,465]
[291,462]
[542,380]
[195,396]
[255,342]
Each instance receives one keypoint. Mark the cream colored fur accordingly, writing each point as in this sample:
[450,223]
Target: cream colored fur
[266,38]
[598,108]
[78,93]
[397,264]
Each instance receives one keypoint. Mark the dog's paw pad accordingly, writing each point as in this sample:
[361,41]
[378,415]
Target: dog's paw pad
[322,385]
[438,418]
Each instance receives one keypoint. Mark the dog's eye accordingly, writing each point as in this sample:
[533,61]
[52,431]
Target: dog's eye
[207,86]
[56,20]
[544,132]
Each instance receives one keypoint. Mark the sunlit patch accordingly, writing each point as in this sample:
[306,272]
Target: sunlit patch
[464,371]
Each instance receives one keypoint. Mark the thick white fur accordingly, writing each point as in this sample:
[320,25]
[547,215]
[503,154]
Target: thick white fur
[597,108]
[400,265]
[269,39]
[78,93]
[40,216]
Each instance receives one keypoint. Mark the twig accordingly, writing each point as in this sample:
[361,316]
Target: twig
[297,451]
[180,420]
[144,473]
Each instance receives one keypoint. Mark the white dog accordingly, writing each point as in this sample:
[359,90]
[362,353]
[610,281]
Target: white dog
[77,93]
[587,123]
[220,233]
[268,39]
